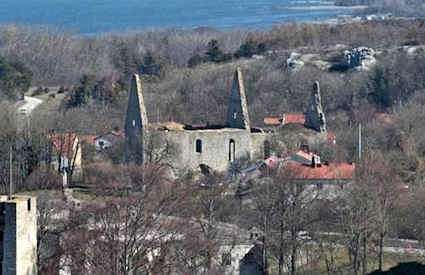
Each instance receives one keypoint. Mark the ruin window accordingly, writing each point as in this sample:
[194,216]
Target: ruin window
[232,150]
[266,149]
[226,259]
[29,204]
[234,115]
[198,146]
[134,123]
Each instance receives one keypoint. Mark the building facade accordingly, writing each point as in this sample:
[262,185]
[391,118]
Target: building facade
[215,147]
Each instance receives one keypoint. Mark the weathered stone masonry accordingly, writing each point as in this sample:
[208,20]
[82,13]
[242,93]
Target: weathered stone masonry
[18,235]
[216,148]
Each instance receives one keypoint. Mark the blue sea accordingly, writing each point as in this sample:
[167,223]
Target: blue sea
[99,16]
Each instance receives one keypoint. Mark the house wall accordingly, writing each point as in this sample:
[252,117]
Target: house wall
[258,140]
[237,253]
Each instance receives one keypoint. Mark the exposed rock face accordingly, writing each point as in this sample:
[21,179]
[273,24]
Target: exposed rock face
[294,61]
[314,116]
[361,58]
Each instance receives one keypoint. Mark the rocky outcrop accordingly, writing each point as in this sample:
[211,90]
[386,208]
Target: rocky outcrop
[361,58]
[294,62]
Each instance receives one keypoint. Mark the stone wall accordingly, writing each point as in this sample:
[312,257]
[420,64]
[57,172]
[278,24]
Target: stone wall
[20,235]
[314,116]
[216,147]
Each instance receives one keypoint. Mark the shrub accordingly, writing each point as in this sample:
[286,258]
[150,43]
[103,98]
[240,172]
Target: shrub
[214,54]
[249,48]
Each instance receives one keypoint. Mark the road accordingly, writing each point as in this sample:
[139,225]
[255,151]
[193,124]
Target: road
[30,103]
[24,110]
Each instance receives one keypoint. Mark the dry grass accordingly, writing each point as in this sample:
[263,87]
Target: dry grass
[343,266]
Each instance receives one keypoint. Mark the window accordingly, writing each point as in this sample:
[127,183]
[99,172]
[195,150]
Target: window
[29,204]
[232,150]
[266,149]
[234,115]
[134,123]
[198,146]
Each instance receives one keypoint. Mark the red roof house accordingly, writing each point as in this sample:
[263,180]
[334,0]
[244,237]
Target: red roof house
[332,171]
[294,118]
[272,121]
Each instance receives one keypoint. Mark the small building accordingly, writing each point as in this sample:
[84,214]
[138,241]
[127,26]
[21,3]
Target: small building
[108,140]
[328,178]
[66,153]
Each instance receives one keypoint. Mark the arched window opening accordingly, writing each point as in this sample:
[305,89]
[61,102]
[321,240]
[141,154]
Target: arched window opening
[266,149]
[198,146]
[232,150]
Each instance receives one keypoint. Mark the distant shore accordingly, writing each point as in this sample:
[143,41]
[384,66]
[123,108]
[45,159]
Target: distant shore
[323,7]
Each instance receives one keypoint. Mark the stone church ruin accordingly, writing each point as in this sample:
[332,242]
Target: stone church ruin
[215,147]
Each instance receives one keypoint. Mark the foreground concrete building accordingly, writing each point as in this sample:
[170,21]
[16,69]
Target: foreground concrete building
[215,146]
[18,235]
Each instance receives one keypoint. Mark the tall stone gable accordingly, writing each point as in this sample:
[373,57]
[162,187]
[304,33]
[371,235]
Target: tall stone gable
[237,114]
[314,116]
[135,120]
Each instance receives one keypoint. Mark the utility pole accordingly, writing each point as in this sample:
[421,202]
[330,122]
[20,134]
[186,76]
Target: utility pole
[360,141]
[10,172]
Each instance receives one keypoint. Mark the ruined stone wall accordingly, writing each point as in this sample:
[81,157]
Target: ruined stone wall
[216,151]
[20,236]
[136,120]
[314,116]
[257,141]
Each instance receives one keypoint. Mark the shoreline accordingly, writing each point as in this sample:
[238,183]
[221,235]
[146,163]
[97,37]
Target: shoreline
[324,7]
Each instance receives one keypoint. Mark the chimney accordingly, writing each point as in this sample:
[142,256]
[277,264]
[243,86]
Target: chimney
[315,161]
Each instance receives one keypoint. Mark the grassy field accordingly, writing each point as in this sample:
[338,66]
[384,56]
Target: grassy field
[342,266]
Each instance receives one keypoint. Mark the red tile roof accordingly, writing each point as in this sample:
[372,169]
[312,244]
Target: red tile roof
[306,156]
[64,143]
[324,172]
[272,121]
[293,118]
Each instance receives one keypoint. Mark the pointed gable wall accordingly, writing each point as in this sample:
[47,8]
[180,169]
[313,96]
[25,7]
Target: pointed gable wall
[237,114]
[136,111]
[135,120]
[314,116]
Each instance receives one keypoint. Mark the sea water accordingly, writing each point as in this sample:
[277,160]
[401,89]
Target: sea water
[98,16]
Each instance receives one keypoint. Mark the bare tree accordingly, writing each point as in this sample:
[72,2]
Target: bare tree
[131,226]
[286,213]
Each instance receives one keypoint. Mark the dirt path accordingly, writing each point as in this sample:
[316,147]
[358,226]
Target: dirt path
[28,105]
